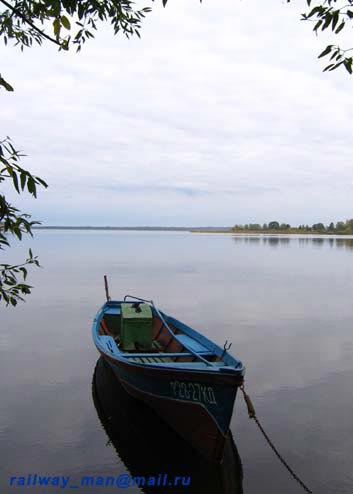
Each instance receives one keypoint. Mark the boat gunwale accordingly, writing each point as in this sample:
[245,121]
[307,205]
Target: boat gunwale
[232,366]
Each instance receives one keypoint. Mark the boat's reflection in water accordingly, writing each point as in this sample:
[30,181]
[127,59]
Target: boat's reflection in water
[149,448]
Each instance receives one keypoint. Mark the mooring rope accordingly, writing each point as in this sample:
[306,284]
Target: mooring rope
[252,415]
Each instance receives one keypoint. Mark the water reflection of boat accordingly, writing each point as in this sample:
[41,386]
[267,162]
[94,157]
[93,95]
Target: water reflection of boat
[150,448]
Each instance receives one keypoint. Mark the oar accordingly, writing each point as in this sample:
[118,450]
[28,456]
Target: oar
[106,288]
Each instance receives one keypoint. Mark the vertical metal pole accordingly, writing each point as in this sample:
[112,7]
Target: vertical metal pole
[106,288]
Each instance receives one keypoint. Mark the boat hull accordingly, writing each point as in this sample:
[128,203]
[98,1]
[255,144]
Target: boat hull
[197,405]
[148,450]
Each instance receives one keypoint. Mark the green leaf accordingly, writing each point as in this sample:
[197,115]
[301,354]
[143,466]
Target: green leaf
[335,19]
[56,27]
[15,182]
[317,25]
[80,10]
[31,186]
[42,182]
[314,11]
[327,21]
[335,66]
[334,54]
[24,272]
[326,51]
[329,67]
[23,180]
[65,22]
[340,27]
[5,84]
[348,65]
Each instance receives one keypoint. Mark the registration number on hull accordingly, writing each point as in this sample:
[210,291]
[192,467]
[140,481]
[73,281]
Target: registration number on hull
[193,392]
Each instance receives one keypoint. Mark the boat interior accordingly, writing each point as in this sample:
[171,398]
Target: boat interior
[143,335]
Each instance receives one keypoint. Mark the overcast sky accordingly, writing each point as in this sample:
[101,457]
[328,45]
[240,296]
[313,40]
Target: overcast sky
[219,114]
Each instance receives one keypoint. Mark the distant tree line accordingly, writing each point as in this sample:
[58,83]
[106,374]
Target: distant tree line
[341,227]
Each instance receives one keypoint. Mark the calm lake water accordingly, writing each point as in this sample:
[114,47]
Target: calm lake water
[285,303]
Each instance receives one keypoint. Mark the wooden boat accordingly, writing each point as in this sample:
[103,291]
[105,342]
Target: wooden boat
[187,379]
[150,449]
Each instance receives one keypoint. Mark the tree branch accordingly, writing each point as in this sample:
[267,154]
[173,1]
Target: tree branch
[19,14]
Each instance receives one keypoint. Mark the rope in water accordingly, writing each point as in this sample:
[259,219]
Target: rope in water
[252,415]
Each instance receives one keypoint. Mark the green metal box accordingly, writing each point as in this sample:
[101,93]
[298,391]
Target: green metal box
[136,327]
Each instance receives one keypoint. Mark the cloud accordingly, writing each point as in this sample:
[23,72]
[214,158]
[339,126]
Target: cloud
[218,114]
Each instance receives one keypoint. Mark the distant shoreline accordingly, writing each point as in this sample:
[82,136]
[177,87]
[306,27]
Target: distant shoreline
[227,230]
[270,232]
[131,228]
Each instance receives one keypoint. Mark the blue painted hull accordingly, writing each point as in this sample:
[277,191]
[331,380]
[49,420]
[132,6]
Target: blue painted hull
[143,448]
